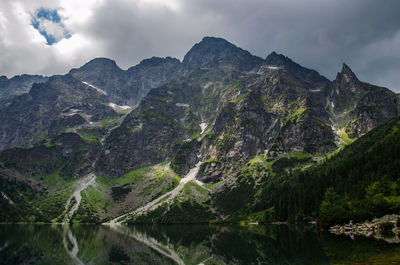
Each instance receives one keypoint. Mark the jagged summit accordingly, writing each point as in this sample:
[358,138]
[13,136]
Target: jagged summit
[347,73]
[277,59]
[100,63]
[211,39]
[156,61]
[214,52]
[17,85]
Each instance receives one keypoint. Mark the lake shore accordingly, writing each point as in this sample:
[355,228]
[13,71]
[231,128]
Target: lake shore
[385,228]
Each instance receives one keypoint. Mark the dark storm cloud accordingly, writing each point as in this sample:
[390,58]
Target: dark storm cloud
[132,32]
[318,34]
[321,34]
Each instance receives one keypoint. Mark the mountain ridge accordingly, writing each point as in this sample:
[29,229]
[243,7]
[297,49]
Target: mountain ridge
[245,118]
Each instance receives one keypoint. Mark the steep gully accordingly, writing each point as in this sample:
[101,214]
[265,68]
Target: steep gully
[81,185]
[165,198]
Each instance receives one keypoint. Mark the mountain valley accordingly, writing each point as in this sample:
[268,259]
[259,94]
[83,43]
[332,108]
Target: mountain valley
[223,136]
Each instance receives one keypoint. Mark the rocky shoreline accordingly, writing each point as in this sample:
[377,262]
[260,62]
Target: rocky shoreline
[386,228]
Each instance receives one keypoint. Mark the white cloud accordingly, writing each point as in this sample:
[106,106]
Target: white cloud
[76,12]
[174,5]
[54,29]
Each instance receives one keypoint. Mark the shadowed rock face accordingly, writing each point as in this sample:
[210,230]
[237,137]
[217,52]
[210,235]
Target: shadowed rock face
[29,117]
[126,87]
[246,119]
[18,85]
[248,106]
[359,106]
[213,53]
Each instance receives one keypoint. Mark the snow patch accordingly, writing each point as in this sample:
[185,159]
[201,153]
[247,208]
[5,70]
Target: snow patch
[71,112]
[118,107]
[182,105]
[95,87]
[274,67]
[315,90]
[203,127]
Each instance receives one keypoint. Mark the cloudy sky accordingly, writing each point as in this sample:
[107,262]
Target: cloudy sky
[52,36]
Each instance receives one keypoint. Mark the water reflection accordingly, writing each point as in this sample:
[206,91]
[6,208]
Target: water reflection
[71,244]
[187,244]
[165,248]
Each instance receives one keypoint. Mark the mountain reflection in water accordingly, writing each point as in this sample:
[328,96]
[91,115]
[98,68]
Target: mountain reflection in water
[187,244]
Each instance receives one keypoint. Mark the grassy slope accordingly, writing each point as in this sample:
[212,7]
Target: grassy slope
[114,196]
[98,201]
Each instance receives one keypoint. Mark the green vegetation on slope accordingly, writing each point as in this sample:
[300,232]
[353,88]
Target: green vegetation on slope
[190,206]
[359,183]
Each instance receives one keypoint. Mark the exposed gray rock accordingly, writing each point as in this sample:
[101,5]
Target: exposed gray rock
[17,85]
[130,86]
[377,228]
[358,106]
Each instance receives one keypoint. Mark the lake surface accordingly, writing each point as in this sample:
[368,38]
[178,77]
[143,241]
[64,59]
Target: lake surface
[187,244]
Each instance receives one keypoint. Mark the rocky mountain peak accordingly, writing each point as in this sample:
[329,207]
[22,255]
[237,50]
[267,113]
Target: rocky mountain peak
[347,75]
[214,52]
[277,59]
[96,65]
[157,61]
[161,64]
[17,85]
[280,60]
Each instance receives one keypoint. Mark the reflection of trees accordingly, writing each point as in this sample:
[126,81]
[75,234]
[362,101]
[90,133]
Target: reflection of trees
[341,249]
[185,244]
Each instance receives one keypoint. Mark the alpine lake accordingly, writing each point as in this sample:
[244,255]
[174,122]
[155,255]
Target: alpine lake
[189,244]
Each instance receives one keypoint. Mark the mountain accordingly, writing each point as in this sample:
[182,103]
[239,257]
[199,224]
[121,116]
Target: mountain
[213,137]
[358,106]
[245,112]
[360,182]
[49,109]
[15,86]
[130,86]
[89,98]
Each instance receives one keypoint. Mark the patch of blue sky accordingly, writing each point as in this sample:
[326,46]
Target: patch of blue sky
[48,23]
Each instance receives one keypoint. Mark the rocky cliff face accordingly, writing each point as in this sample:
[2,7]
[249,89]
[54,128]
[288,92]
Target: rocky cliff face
[357,106]
[87,98]
[126,87]
[29,117]
[237,113]
[249,106]
[17,85]
[235,105]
